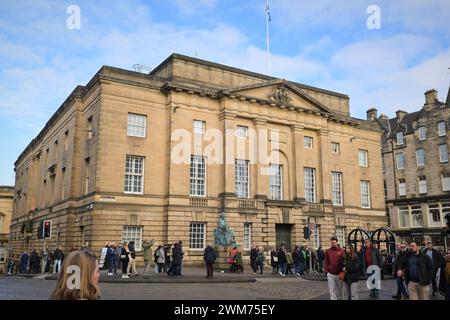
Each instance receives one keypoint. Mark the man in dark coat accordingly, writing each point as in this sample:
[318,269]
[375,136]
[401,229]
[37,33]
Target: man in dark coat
[371,256]
[34,262]
[436,259]
[253,258]
[320,258]
[209,256]
[444,281]
[24,259]
[177,258]
[399,258]
[282,261]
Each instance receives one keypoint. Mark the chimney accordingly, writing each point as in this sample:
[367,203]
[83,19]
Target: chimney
[399,114]
[371,114]
[431,96]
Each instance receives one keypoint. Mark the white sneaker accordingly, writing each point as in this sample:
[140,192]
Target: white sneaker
[110,274]
[280,273]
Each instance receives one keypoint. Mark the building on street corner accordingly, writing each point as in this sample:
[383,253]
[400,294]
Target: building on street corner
[6,204]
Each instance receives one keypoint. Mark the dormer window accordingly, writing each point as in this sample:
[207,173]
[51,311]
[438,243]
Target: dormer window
[400,138]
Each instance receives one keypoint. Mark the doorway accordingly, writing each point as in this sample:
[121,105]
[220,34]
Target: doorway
[283,235]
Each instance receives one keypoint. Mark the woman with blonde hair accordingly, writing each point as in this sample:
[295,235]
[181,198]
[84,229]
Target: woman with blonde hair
[78,279]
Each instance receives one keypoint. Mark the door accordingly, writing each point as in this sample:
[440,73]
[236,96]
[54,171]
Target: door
[283,235]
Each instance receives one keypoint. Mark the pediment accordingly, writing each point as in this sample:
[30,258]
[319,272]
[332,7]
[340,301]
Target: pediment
[281,92]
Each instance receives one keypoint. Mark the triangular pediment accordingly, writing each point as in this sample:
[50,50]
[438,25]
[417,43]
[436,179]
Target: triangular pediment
[280,92]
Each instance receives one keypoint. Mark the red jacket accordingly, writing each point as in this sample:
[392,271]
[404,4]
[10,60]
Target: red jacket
[333,257]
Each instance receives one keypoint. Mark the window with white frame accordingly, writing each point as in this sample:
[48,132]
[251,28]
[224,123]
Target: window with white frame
[420,157]
[445,182]
[336,188]
[443,153]
[422,184]
[400,138]
[340,235]
[137,125]
[134,174]
[241,178]
[422,133]
[416,216]
[445,211]
[199,126]
[401,187]
[401,162]
[316,231]
[247,236]
[434,215]
[403,217]
[335,147]
[365,193]
[308,142]
[275,182]
[198,176]
[442,130]
[242,131]
[197,237]
[133,233]
[309,176]
[363,158]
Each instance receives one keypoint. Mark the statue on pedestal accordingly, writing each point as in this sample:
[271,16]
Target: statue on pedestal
[223,235]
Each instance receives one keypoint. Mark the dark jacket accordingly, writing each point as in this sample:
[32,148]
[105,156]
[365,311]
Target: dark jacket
[351,267]
[132,249]
[58,255]
[281,256]
[296,256]
[209,256]
[320,255]
[436,260]
[397,262]
[177,254]
[124,252]
[377,259]
[443,284]
[425,268]
[272,255]
[253,254]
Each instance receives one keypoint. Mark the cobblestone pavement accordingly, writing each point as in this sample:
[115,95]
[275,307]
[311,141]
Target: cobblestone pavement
[265,287]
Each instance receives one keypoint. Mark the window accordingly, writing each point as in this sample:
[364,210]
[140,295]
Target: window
[422,133]
[443,153]
[247,236]
[400,138]
[86,175]
[442,131]
[133,233]
[55,152]
[196,235]
[416,216]
[401,162]
[134,174]
[316,230]
[89,128]
[198,176]
[335,147]
[365,194]
[336,185]
[199,126]
[434,215]
[310,184]
[363,158]
[275,182]
[340,235]
[445,210]
[401,187]
[308,142]
[420,157]
[66,140]
[446,182]
[242,131]
[423,185]
[241,176]
[403,217]
[137,125]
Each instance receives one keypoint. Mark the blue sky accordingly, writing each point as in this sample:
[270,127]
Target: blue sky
[324,43]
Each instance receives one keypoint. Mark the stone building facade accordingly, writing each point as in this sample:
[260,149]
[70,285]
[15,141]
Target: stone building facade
[6,204]
[416,170]
[106,167]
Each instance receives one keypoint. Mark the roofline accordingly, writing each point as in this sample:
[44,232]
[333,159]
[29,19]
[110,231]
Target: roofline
[207,63]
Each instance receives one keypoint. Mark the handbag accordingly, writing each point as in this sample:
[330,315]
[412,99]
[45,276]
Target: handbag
[123,257]
[341,275]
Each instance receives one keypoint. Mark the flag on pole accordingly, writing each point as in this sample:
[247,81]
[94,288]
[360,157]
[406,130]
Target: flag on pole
[268,12]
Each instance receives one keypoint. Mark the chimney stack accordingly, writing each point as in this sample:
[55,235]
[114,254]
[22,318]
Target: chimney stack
[431,96]
[372,114]
[399,114]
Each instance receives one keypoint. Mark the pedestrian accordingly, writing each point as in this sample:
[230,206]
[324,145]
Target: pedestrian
[444,279]
[232,259]
[253,258]
[147,247]
[10,267]
[168,251]
[417,268]
[114,257]
[118,252]
[289,263]
[58,256]
[371,256]
[155,258]
[398,260]
[436,259]
[48,256]
[177,257]
[260,260]
[124,259]
[34,262]
[24,260]
[209,256]
[239,262]
[350,265]
[180,266]
[161,260]
[132,261]
[282,260]
[89,275]
[296,260]
[110,259]
[274,261]
[332,266]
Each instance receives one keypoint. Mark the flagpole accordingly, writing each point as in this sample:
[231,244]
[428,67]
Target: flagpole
[267,36]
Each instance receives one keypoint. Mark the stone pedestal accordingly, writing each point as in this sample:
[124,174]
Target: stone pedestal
[222,258]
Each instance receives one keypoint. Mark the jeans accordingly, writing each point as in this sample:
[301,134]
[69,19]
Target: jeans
[111,265]
[352,291]
[57,266]
[282,267]
[401,289]
[335,286]
[260,266]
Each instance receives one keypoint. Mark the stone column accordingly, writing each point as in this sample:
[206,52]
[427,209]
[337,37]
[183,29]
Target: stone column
[259,146]
[297,138]
[229,126]
[325,174]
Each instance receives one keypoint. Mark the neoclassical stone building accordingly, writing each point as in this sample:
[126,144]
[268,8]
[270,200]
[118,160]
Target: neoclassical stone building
[110,165]
[416,170]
